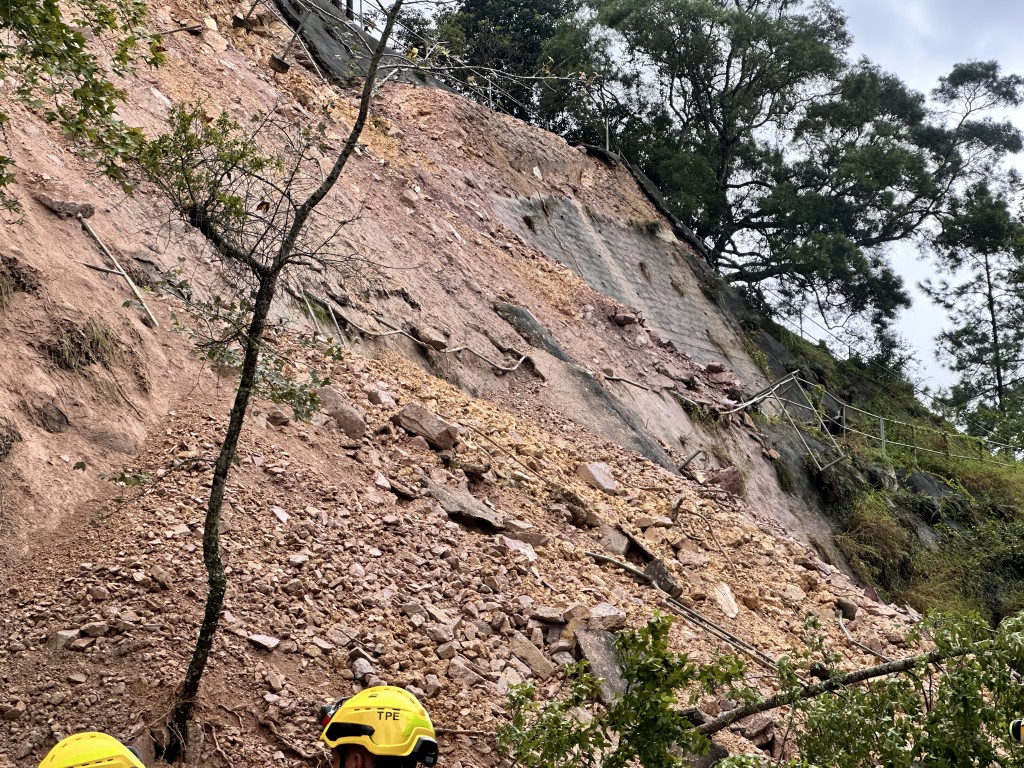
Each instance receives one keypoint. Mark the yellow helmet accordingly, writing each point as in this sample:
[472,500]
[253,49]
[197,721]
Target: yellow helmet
[386,721]
[91,750]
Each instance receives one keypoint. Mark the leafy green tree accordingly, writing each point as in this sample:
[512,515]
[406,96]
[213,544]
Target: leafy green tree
[797,167]
[641,726]
[948,707]
[496,50]
[982,243]
[49,67]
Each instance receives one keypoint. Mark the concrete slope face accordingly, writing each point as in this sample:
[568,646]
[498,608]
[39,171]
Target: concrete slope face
[642,265]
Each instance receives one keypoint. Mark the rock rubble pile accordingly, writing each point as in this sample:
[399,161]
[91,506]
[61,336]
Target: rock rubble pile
[438,551]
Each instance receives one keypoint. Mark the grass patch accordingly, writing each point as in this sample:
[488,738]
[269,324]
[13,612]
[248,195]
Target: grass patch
[878,546]
[16,277]
[6,290]
[75,346]
[649,227]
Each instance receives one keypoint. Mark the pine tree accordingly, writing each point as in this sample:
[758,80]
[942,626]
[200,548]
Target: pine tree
[982,242]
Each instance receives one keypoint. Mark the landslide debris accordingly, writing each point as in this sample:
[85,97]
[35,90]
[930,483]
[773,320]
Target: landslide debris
[338,579]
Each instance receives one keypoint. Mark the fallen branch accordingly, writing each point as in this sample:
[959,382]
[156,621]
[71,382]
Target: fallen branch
[100,269]
[876,654]
[628,381]
[233,712]
[676,509]
[828,686]
[462,732]
[290,745]
[119,268]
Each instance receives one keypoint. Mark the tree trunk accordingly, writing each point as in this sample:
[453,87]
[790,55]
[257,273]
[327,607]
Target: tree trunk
[997,355]
[812,691]
[216,578]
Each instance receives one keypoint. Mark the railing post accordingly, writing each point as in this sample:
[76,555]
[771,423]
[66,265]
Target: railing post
[913,439]
[842,412]
[881,432]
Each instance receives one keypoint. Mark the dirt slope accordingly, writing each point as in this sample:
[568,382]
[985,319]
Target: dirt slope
[341,549]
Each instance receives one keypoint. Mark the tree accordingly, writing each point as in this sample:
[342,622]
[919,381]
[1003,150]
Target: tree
[641,726]
[797,167]
[949,706]
[48,65]
[983,242]
[496,51]
[257,205]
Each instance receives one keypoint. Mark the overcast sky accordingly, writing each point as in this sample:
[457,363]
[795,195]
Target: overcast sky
[920,40]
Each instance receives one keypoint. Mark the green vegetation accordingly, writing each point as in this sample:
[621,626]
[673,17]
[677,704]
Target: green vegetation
[51,69]
[795,164]
[878,546]
[75,346]
[972,560]
[254,194]
[7,289]
[643,724]
[649,227]
[983,244]
[949,707]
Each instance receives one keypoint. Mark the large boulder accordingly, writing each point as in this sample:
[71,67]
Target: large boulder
[418,420]
[350,419]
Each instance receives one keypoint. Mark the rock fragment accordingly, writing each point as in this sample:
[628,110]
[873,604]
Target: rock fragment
[515,546]
[416,419]
[606,616]
[61,638]
[722,595]
[598,475]
[66,208]
[266,642]
[598,647]
[531,655]
[847,607]
[463,507]
[350,419]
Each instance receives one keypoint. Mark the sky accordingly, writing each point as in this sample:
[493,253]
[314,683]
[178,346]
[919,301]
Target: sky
[921,40]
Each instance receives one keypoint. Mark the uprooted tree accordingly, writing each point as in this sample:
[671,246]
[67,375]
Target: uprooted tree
[254,196]
[950,706]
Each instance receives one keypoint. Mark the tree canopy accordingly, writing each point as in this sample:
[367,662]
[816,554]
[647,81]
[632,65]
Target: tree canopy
[981,247]
[796,165]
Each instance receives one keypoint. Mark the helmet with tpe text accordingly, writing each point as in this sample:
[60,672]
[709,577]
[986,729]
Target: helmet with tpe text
[91,750]
[386,720]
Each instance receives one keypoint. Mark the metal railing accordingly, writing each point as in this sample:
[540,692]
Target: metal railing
[811,404]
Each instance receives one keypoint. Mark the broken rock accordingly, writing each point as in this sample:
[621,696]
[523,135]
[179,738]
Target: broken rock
[514,545]
[530,655]
[598,475]
[598,648]
[418,420]
[61,638]
[266,642]
[725,600]
[730,479]
[66,208]
[606,616]
[463,507]
[350,419]
[614,540]
[430,336]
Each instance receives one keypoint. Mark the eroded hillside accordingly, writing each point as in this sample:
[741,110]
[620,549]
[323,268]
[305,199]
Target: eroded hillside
[364,553]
